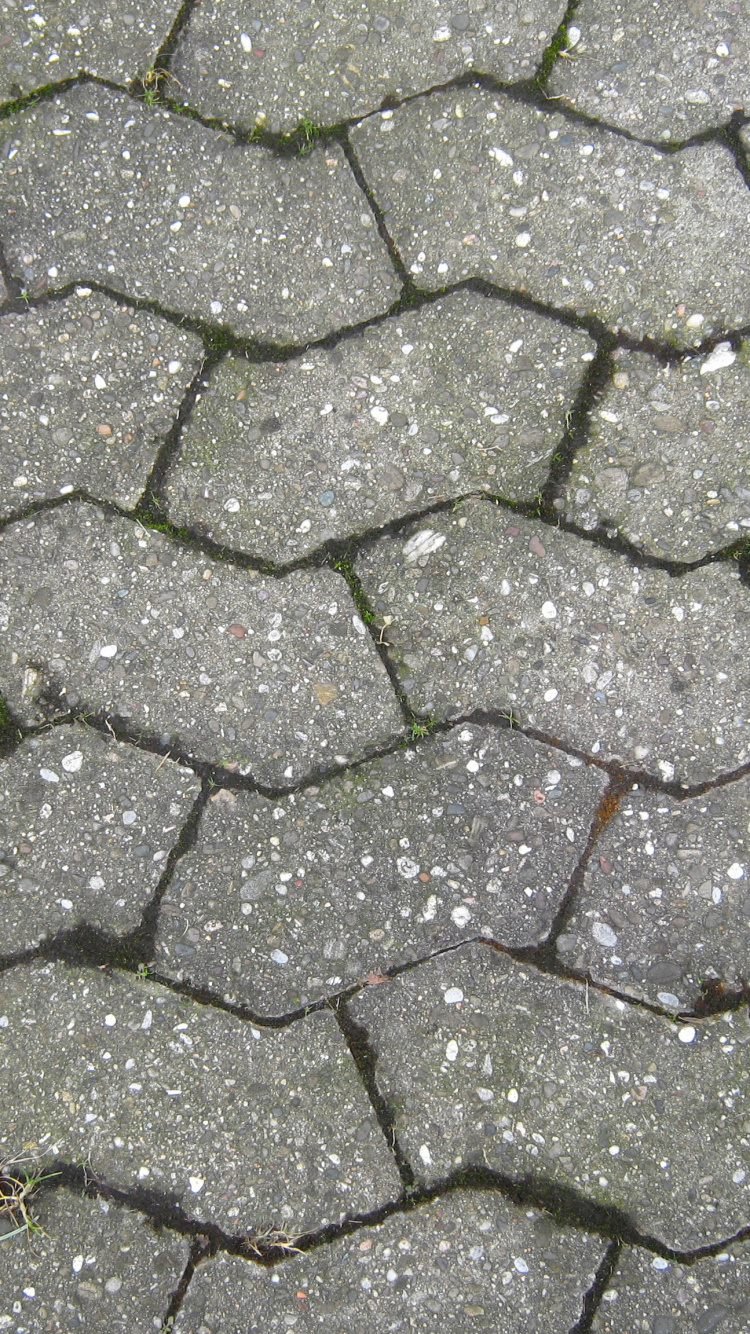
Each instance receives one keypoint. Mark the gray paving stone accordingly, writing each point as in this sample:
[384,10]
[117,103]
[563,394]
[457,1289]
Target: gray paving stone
[85,829]
[657,70]
[665,901]
[262,64]
[257,245]
[465,1262]
[87,388]
[488,1061]
[648,1293]
[273,675]
[428,405]
[476,831]
[666,461]
[472,183]
[248,1127]
[41,47]
[488,610]
[96,1268]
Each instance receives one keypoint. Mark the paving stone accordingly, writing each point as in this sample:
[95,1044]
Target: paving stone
[260,64]
[472,183]
[469,1260]
[666,460]
[665,900]
[488,1061]
[256,242]
[648,1293]
[658,71]
[247,1126]
[137,624]
[87,388]
[467,394]
[41,47]
[488,610]
[85,830]
[475,831]
[95,1267]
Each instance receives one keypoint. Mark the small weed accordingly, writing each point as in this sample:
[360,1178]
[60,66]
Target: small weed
[261,1242]
[143,972]
[17,1187]
[421,729]
[307,132]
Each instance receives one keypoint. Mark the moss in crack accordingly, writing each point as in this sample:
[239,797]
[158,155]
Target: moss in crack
[11,731]
[560,43]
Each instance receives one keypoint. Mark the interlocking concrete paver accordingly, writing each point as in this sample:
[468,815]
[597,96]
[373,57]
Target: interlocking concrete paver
[273,675]
[648,1293]
[488,610]
[463,395]
[475,184]
[67,38]
[665,900]
[87,387]
[465,1262]
[246,1126]
[488,1061]
[189,218]
[476,831]
[85,831]
[666,463]
[93,1267]
[262,64]
[660,71]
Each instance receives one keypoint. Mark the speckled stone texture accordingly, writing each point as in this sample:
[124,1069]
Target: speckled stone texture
[477,831]
[152,625]
[658,70]
[85,832]
[156,206]
[466,1262]
[468,394]
[712,1294]
[666,464]
[93,1266]
[238,1122]
[475,184]
[88,390]
[665,901]
[487,1061]
[54,42]
[486,610]
[266,64]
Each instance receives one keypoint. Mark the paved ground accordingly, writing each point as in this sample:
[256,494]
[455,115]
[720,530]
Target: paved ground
[375,726]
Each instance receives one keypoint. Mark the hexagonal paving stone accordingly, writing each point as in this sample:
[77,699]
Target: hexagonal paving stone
[655,70]
[93,1267]
[230,233]
[465,1262]
[476,831]
[67,38]
[646,1292]
[85,830]
[87,387]
[464,395]
[260,63]
[489,1061]
[247,1126]
[665,901]
[488,610]
[268,674]
[472,183]
[666,461]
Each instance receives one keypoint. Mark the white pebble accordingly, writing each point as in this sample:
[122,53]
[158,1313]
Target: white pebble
[453,996]
[736,871]
[504,159]
[574,35]
[485,1095]
[109,651]
[512,1095]
[549,611]
[520,1266]
[49,775]
[687,1034]
[407,868]
[423,543]
[174,366]
[441,35]
[451,1050]
[232,505]
[522,239]
[128,817]
[279,956]
[722,355]
[461,916]
[549,695]
[604,935]
[196,1184]
[246,42]
[659,1263]
[668,998]
[109,1020]
[380,415]
[71,763]
[425,1155]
